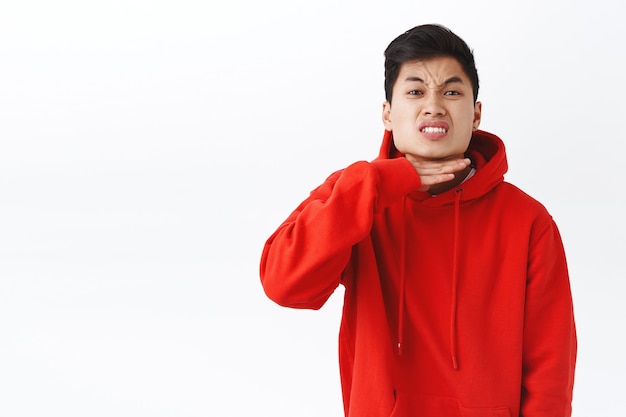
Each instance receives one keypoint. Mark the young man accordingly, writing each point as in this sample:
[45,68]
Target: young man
[457,295]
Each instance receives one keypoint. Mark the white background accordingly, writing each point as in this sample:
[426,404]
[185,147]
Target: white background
[149,148]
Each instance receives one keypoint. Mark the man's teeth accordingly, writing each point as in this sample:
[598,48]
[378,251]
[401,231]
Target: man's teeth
[434,130]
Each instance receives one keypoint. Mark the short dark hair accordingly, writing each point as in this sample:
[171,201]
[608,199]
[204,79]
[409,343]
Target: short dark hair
[424,42]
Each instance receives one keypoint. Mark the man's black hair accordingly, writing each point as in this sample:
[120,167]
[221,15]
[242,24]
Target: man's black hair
[425,42]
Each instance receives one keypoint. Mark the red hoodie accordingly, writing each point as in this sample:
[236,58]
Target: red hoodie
[455,305]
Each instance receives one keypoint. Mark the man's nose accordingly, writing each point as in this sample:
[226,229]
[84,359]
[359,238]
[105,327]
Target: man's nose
[433,105]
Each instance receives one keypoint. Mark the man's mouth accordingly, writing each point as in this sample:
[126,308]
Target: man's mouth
[430,129]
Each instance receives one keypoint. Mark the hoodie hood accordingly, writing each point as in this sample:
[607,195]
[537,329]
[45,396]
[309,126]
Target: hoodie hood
[487,153]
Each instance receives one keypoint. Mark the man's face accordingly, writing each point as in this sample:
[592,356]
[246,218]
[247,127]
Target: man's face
[432,114]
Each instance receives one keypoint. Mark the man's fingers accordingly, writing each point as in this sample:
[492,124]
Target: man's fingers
[438,172]
[440,167]
[429,181]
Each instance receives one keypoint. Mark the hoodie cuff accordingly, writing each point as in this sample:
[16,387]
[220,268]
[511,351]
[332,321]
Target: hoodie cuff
[397,179]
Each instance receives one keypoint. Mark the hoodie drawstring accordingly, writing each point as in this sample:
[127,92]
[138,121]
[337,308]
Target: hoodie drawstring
[458,193]
[402,279]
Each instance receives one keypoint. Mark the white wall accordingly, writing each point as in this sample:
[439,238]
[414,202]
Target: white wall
[148,149]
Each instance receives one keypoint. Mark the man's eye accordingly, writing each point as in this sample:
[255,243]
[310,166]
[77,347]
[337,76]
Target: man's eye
[452,93]
[415,92]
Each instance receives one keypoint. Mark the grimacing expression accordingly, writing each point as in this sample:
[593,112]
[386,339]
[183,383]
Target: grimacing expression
[432,114]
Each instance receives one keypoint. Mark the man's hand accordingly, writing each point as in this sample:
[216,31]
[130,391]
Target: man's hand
[433,173]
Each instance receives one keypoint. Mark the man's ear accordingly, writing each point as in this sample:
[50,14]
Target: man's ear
[478,111]
[387,116]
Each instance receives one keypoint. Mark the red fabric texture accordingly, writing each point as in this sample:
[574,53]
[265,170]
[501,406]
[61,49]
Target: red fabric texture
[455,305]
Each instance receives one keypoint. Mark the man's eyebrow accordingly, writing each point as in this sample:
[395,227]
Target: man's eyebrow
[451,80]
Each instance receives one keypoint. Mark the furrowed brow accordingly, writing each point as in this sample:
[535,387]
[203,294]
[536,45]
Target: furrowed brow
[452,80]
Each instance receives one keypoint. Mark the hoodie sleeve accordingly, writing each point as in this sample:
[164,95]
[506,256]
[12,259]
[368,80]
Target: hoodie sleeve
[303,261]
[549,331]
